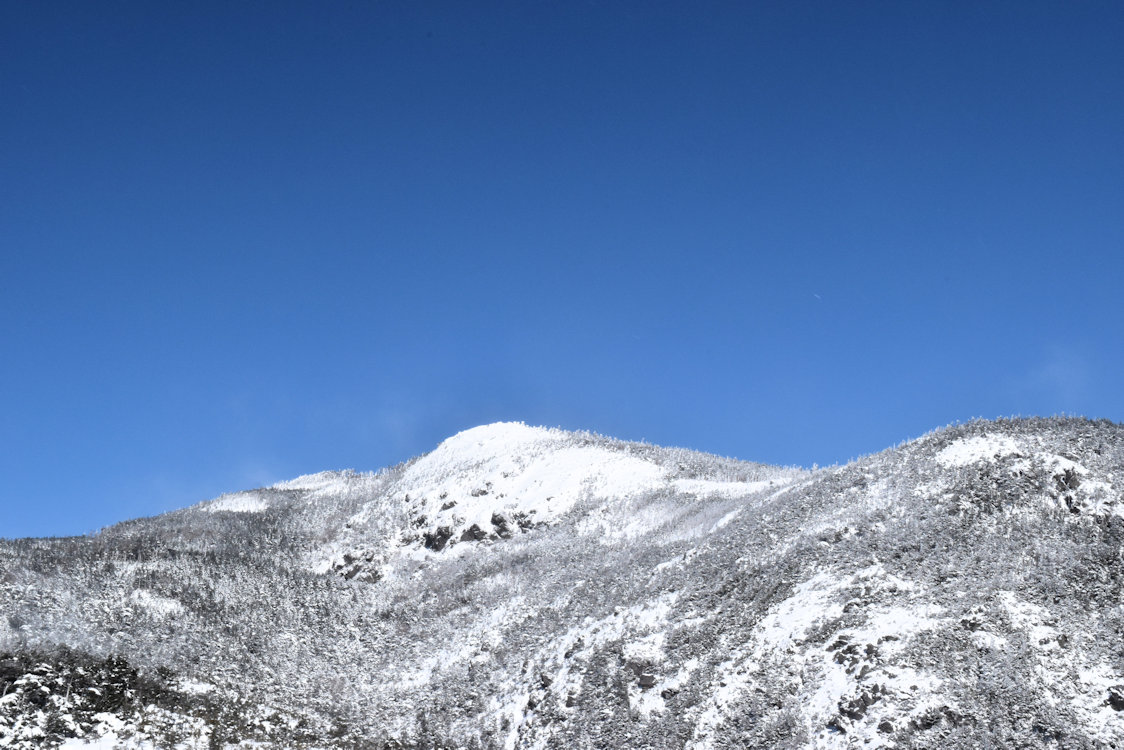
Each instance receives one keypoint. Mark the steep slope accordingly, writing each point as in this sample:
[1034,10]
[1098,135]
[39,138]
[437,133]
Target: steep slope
[521,587]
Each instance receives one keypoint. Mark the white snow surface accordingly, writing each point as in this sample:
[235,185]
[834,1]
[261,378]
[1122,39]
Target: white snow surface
[969,450]
[327,484]
[238,502]
[105,737]
[156,605]
[105,742]
[503,478]
[532,470]
[320,482]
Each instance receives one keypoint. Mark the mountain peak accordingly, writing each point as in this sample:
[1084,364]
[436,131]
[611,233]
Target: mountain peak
[489,441]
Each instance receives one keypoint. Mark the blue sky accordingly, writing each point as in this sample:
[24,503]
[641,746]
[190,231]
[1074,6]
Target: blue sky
[246,241]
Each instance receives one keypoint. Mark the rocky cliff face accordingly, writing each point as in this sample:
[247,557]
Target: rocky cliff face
[521,587]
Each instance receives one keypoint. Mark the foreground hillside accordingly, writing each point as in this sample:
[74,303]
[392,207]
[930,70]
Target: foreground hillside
[529,588]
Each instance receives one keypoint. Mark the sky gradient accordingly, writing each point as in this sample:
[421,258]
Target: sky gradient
[246,241]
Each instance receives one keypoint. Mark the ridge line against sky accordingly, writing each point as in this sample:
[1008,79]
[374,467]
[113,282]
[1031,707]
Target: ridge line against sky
[245,242]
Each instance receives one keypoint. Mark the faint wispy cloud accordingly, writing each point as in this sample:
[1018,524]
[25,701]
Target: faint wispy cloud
[258,475]
[1060,380]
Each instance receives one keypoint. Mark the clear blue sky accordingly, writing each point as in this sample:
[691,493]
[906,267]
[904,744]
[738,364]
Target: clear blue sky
[246,241]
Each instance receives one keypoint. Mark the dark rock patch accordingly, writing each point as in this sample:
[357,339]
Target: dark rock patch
[474,534]
[501,526]
[436,540]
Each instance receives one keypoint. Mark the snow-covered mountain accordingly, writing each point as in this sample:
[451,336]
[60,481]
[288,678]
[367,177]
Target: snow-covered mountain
[521,587]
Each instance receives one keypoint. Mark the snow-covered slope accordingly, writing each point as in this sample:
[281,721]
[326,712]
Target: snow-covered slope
[494,481]
[522,587]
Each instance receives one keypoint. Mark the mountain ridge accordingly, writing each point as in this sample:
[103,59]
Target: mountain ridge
[528,587]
